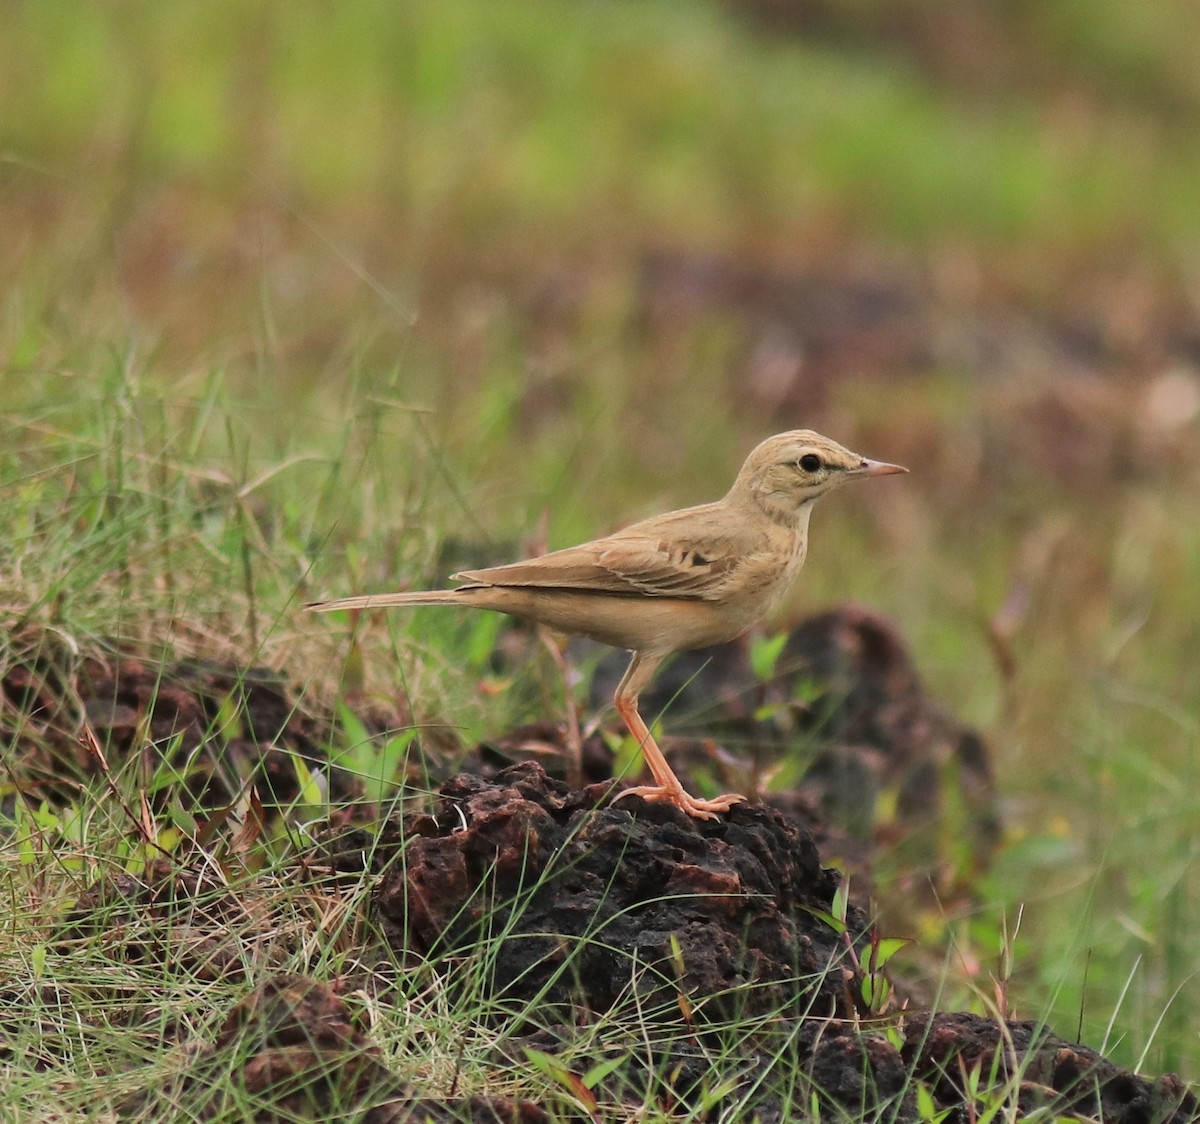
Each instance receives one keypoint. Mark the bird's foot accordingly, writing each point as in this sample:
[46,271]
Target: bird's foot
[674,794]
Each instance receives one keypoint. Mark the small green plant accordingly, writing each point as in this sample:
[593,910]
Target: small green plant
[580,1088]
[378,763]
[875,989]
[765,651]
[927,1110]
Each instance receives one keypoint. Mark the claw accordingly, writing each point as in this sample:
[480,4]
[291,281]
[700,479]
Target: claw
[701,809]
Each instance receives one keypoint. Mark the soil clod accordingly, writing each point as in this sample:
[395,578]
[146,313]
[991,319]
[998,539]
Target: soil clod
[581,904]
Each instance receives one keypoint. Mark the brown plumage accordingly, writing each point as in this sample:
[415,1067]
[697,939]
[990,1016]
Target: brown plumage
[686,579]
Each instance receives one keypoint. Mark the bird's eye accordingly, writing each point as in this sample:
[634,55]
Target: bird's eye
[810,462]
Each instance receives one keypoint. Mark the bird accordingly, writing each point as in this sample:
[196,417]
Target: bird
[686,579]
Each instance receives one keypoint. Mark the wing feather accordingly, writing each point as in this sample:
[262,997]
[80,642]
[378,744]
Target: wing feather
[683,555]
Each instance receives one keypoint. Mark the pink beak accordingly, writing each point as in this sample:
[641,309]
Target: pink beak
[875,468]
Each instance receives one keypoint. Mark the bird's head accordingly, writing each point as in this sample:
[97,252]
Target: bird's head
[790,470]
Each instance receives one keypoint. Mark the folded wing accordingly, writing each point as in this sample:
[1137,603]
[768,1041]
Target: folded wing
[652,559]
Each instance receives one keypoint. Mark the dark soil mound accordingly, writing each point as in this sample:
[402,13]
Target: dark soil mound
[225,724]
[1049,1073]
[576,907]
[585,902]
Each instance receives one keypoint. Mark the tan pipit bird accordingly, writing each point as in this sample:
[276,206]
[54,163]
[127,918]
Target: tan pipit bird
[686,579]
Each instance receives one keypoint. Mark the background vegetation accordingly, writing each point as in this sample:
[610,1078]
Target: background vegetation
[303,300]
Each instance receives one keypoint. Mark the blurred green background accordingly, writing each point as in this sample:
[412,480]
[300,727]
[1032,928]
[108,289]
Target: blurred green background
[401,273]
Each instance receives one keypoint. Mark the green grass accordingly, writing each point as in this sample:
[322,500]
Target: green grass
[297,301]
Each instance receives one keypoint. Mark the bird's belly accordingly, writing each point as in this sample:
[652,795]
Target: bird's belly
[644,624]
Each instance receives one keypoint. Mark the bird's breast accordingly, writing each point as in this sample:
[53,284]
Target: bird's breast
[795,555]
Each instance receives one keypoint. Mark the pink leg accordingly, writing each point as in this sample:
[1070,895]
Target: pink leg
[666,786]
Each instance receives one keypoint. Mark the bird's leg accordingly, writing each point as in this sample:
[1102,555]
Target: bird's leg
[667,787]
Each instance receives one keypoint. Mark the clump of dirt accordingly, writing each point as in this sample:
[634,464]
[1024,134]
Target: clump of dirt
[1053,1074]
[578,907]
[589,906]
[297,1047]
[225,725]
[875,736]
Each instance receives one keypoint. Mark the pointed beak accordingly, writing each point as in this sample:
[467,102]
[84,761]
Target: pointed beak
[875,468]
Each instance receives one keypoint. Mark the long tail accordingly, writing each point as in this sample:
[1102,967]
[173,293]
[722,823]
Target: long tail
[382,600]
